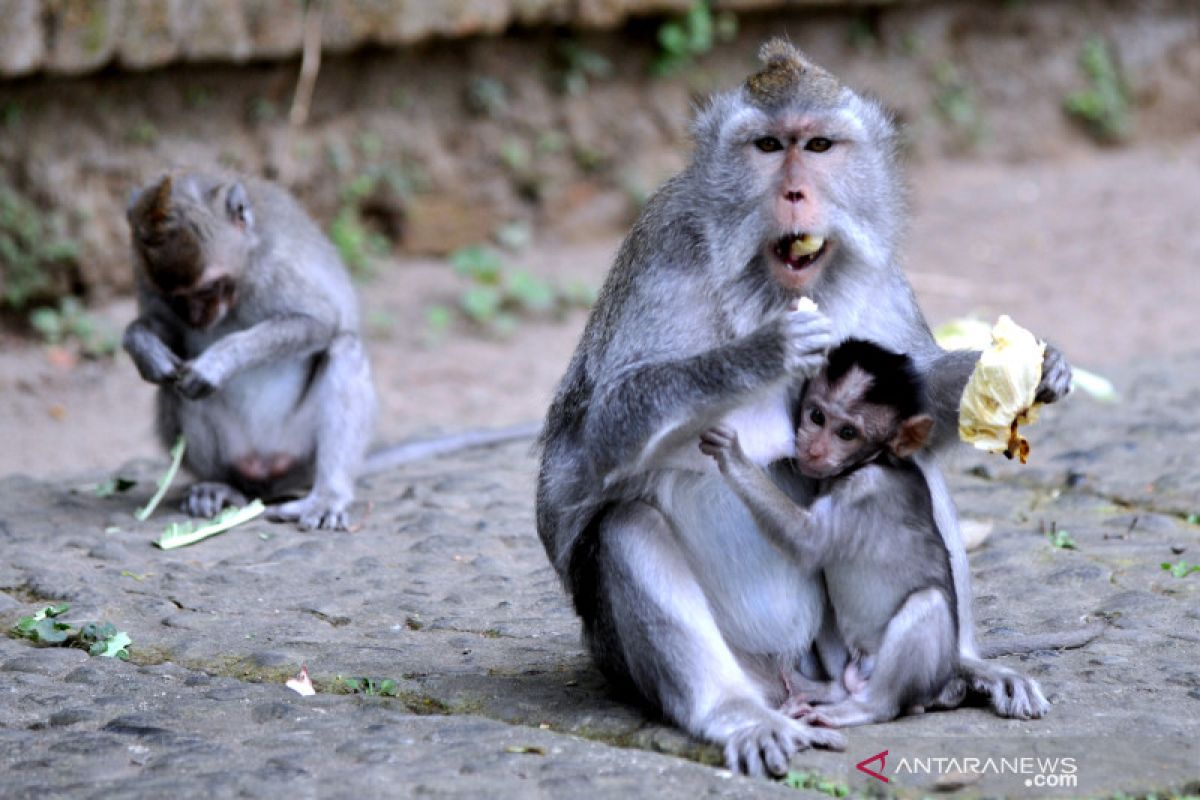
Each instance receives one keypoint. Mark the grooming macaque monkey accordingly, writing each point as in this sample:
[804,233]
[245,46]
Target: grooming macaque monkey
[870,529]
[792,191]
[248,325]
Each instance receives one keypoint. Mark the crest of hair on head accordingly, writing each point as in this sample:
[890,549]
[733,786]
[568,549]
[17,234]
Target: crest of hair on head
[787,75]
[895,382]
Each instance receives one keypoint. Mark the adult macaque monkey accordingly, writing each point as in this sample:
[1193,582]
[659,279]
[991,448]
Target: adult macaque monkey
[248,325]
[793,190]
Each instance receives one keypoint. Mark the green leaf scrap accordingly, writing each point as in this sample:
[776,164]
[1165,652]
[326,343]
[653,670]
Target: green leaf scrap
[164,482]
[1180,569]
[180,534]
[114,485]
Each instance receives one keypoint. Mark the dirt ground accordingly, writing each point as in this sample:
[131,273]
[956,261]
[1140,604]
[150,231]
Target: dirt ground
[1096,253]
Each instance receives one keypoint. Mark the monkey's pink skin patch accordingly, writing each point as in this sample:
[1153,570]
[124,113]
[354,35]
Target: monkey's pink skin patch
[257,468]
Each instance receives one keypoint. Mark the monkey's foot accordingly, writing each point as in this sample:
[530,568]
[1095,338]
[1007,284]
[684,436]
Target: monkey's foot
[765,747]
[1010,693]
[796,707]
[207,499]
[313,511]
[845,714]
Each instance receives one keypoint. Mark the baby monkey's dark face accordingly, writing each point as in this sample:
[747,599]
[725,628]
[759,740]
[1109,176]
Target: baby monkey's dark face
[204,305]
[837,428]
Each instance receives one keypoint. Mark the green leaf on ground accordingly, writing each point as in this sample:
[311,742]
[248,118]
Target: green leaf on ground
[180,534]
[1180,569]
[113,486]
[164,482]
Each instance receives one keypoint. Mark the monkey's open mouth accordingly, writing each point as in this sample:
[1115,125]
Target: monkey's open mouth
[799,250]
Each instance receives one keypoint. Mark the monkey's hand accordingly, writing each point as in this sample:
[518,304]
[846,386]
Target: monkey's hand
[723,446]
[159,367]
[155,362]
[1056,376]
[192,382]
[805,338]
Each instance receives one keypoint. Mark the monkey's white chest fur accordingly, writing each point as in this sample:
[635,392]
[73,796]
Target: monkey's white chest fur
[761,598]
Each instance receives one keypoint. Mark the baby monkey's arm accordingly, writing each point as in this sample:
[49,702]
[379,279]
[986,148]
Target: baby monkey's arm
[789,526]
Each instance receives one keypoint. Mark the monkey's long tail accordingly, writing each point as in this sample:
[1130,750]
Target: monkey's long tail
[1058,640]
[407,452]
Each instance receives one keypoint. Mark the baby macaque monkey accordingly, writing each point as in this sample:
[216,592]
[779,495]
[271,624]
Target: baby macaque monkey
[248,325]
[871,530]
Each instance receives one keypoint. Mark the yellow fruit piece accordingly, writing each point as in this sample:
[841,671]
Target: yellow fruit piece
[1000,393]
[806,245]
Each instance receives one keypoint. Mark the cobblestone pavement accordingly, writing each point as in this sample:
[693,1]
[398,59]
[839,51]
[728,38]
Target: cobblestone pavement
[445,589]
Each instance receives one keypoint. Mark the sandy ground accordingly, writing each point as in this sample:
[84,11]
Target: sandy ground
[1095,253]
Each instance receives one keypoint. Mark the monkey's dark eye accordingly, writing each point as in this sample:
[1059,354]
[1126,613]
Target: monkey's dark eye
[847,433]
[768,144]
[817,416]
[818,144]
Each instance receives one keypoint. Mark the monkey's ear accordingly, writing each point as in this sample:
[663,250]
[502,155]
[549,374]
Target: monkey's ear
[237,206]
[912,436]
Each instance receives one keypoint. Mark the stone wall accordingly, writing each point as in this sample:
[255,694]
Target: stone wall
[71,37]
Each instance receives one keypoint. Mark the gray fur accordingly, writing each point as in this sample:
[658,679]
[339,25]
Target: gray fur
[282,373]
[686,334]
[872,527]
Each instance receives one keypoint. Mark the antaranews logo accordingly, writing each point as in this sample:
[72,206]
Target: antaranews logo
[1037,772]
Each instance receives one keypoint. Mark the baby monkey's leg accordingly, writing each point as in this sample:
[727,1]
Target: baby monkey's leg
[914,663]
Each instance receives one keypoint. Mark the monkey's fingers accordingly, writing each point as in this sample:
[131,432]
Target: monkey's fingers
[1056,376]
[824,737]
[312,513]
[191,384]
[208,498]
[716,439]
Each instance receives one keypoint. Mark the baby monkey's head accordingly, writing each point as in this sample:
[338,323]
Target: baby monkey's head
[866,401]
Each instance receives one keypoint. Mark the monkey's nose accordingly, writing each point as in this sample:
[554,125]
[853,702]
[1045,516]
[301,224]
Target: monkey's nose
[793,197]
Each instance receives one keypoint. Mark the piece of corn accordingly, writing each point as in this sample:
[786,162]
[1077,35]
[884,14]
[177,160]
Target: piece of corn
[806,245]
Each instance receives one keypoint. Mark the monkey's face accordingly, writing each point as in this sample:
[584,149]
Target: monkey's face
[192,242]
[205,305]
[812,179]
[798,160]
[837,429]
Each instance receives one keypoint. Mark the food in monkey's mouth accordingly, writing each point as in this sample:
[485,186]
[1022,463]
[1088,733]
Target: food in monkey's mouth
[806,304]
[798,250]
[999,396]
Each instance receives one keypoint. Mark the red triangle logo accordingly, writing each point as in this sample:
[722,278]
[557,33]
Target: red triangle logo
[882,759]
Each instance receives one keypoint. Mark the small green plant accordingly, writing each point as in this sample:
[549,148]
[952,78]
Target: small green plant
[143,133]
[35,252]
[48,626]
[374,687]
[263,110]
[1181,568]
[71,322]
[578,66]
[1104,108]
[954,98]
[497,296]
[359,245]
[113,486]
[487,96]
[806,780]
[683,39]
[1060,538]
[10,116]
